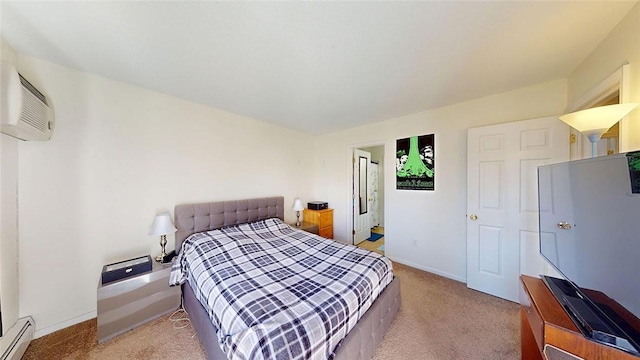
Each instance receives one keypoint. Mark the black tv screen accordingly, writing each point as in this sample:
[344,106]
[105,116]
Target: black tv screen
[589,222]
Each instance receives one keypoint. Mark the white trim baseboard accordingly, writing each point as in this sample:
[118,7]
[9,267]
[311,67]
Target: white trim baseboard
[64,324]
[430,270]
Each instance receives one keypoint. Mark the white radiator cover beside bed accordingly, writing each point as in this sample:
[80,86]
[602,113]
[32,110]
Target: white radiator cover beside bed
[15,342]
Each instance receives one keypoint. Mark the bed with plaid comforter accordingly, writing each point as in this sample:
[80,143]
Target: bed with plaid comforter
[276,292]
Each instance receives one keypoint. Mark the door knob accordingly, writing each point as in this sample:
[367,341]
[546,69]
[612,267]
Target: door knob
[473,217]
[564,225]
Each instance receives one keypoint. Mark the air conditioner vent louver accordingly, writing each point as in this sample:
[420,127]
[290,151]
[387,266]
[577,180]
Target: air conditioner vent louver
[34,113]
[27,85]
[25,112]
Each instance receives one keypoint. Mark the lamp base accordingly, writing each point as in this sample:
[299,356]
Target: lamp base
[167,258]
[163,243]
[593,138]
[298,219]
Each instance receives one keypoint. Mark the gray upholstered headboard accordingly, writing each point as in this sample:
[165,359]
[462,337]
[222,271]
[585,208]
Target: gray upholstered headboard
[193,218]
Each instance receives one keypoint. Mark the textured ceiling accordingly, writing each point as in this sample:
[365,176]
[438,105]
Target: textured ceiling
[316,67]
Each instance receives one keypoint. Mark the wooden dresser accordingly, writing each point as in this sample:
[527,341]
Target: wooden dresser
[547,332]
[308,227]
[324,220]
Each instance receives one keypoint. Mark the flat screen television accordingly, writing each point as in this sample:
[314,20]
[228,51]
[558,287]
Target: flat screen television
[589,226]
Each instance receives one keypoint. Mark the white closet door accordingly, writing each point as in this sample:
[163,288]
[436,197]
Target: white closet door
[502,200]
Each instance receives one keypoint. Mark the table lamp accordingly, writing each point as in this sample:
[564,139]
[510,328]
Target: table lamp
[297,207]
[162,226]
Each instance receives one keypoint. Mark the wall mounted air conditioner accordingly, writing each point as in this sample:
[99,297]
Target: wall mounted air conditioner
[25,112]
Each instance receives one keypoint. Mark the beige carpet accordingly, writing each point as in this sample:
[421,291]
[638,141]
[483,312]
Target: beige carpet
[442,319]
[438,319]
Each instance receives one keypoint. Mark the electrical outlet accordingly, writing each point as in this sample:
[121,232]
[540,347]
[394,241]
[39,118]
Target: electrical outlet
[414,242]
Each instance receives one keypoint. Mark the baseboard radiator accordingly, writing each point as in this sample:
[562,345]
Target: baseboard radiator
[15,342]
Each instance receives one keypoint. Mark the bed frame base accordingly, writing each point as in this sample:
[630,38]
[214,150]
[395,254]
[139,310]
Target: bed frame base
[360,343]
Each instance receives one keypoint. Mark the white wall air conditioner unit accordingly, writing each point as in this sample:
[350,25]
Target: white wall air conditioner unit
[25,112]
[15,342]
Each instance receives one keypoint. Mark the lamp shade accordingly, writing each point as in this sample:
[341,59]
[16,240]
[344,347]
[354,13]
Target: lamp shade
[162,225]
[596,121]
[297,205]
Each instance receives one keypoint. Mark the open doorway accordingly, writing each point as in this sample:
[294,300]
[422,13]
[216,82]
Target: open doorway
[368,195]
[613,90]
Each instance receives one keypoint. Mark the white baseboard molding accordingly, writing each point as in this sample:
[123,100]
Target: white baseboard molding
[65,324]
[15,341]
[431,270]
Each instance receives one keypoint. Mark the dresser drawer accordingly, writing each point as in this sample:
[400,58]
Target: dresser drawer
[326,232]
[535,320]
[326,219]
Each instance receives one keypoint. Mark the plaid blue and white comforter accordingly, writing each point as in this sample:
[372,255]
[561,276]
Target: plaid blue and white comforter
[275,292]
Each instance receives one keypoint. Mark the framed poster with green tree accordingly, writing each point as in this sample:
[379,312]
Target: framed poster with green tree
[415,163]
[633,158]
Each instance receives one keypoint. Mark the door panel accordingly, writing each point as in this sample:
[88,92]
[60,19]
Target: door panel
[502,200]
[529,245]
[488,245]
[489,248]
[560,205]
[529,185]
[491,143]
[361,216]
[490,184]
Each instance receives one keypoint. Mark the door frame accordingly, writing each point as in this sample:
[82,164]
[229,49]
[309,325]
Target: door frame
[349,182]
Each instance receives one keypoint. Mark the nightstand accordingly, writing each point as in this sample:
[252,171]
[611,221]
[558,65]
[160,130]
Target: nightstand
[131,302]
[307,226]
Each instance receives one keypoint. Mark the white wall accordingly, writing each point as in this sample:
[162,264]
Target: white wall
[435,219]
[621,46]
[118,155]
[9,231]
[8,216]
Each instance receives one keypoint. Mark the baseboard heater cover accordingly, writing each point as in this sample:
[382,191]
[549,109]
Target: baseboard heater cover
[15,342]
